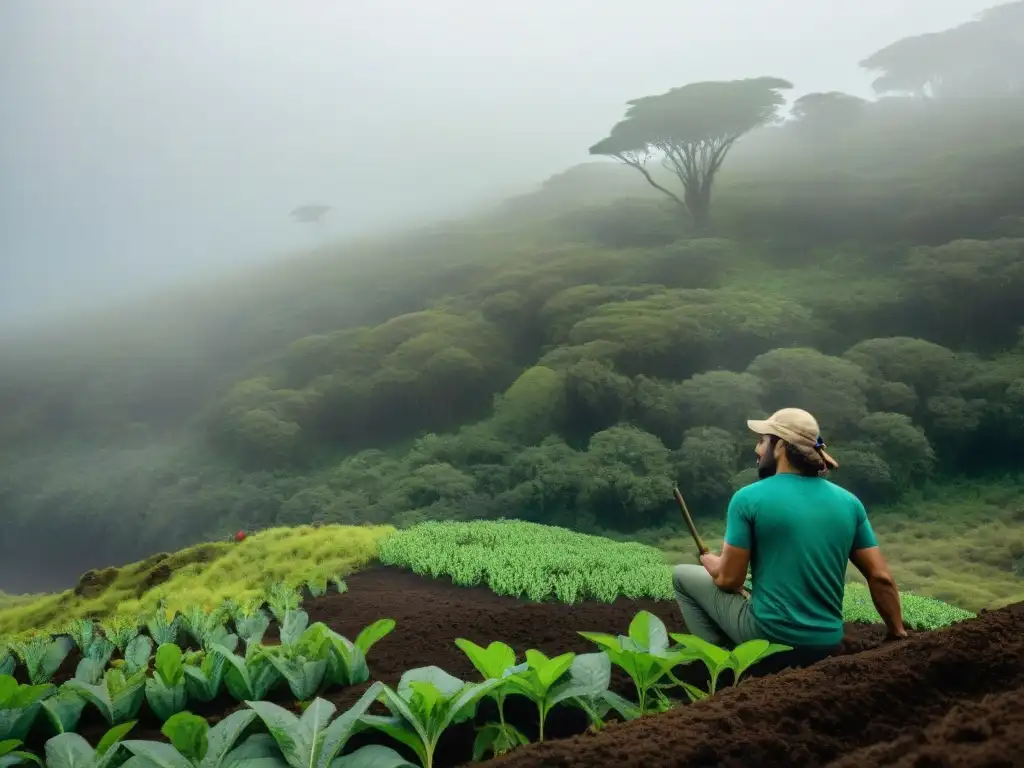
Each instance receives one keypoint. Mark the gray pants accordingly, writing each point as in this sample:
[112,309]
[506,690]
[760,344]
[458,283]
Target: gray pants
[719,617]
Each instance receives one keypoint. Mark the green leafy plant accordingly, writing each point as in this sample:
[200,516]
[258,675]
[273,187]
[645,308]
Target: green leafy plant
[163,627]
[208,628]
[251,626]
[42,656]
[70,750]
[346,660]
[166,692]
[118,697]
[282,598]
[121,631]
[427,702]
[203,681]
[492,662]
[314,741]
[10,754]
[19,706]
[645,656]
[249,677]
[64,709]
[96,656]
[194,744]
[301,658]
[137,654]
[81,632]
[8,662]
[569,678]
[718,660]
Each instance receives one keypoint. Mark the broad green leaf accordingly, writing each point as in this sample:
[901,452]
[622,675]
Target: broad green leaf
[168,664]
[603,639]
[137,653]
[589,675]
[549,670]
[188,734]
[718,656]
[294,624]
[69,750]
[341,729]
[745,655]
[64,710]
[156,753]
[402,730]
[490,662]
[446,685]
[373,756]
[112,737]
[297,738]
[258,751]
[372,634]
[90,670]
[303,676]
[223,736]
[648,632]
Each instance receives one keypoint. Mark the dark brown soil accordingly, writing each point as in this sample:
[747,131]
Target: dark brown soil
[919,703]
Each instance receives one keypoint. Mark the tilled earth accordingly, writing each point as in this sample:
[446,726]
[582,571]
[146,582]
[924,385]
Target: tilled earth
[949,698]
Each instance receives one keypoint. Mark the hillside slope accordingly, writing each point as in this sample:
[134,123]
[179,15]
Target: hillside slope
[564,360]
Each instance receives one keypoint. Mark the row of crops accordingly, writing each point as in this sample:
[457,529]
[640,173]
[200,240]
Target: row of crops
[194,659]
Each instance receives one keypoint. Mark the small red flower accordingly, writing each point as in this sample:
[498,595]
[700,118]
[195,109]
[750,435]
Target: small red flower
[240,536]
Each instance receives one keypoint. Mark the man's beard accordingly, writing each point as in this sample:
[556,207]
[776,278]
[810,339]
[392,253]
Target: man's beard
[766,465]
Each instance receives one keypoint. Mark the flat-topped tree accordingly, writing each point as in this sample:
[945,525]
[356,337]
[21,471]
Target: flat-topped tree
[692,128]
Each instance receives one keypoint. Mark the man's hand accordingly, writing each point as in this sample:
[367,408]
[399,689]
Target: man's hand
[712,563]
[892,637]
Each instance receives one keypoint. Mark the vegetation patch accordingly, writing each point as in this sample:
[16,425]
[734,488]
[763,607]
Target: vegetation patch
[539,562]
[205,575]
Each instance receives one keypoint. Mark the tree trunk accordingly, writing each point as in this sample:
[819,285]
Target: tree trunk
[698,203]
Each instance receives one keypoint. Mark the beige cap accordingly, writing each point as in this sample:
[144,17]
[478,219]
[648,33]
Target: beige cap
[798,428]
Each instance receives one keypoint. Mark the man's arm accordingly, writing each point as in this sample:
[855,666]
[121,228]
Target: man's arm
[867,557]
[728,570]
[884,593]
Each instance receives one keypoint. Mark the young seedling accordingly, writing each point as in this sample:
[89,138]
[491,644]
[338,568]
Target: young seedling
[137,654]
[492,662]
[427,702]
[70,750]
[547,682]
[644,655]
[717,660]
[166,693]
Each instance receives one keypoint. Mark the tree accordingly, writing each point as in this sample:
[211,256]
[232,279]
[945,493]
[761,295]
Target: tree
[827,114]
[693,128]
[978,58]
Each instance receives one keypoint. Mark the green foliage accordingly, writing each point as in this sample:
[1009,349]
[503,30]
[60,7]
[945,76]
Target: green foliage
[528,560]
[427,702]
[644,655]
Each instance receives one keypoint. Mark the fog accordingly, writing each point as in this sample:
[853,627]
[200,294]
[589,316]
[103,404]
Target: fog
[144,142]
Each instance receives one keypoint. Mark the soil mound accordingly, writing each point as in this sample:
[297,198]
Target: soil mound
[947,698]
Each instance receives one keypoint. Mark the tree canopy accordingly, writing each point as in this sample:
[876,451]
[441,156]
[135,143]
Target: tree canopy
[692,128]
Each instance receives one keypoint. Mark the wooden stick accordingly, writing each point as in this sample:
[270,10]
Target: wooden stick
[701,546]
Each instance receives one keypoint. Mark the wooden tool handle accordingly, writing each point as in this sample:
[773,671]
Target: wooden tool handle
[701,547]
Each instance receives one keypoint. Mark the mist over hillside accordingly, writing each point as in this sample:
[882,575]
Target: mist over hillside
[724,246]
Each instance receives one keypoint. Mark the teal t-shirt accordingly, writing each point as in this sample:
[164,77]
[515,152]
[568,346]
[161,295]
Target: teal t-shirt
[800,532]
